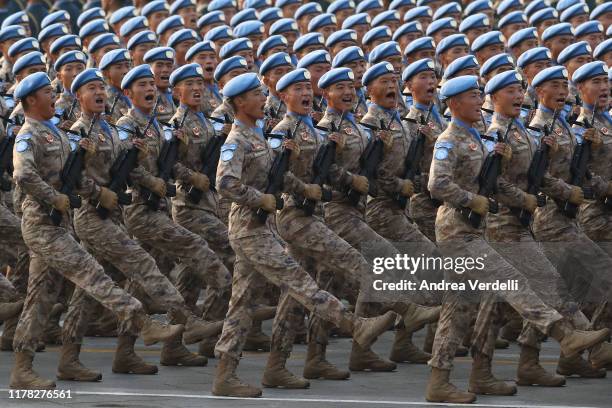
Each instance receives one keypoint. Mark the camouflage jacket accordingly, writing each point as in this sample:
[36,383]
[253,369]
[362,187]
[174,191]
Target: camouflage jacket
[121,107]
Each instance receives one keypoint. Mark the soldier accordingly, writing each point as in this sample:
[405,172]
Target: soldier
[41,145]
[522,41]
[353,58]
[68,66]
[391,52]
[530,63]
[167,27]
[308,43]
[317,63]
[120,16]
[273,69]
[573,57]
[340,40]
[257,251]
[450,48]
[475,25]
[8,36]
[155,12]
[114,66]
[242,47]
[407,33]
[140,44]
[205,54]
[161,60]
[187,10]
[181,41]
[254,31]
[488,45]
[100,46]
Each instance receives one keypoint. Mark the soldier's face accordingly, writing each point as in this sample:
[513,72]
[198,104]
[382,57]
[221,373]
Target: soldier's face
[340,46]
[384,91]
[595,91]
[208,62]
[103,51]
[42,102]
[452,54]
[415,56]
[553,94]
[162,71]
[248,56]
[342,15]
[425,22]
[190,92]
[298,98]
[290,9]
[316,72]
[156,18]
[524,46]
[251,104]
[475,33]
[443,33]
[190,17]
[573,64]
[361,29]
[576,21]
[489,51]
[116,72]
[341,96]
[423,86]
[181,49]
[359,68]
[531,70]
[142,93]
[327,30]
[290,36]
[510,29]
[92,97]
[68,72]
[545,24]
[607,58]
[594,39]
[466,106]
[138,52]
[405,39]
[606,20]
[272,76]
[508,100]
[232,74]
[558,44]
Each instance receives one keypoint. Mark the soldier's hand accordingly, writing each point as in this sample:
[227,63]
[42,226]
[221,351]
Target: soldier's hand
[107,198]
[66,124]
[292,145]
[339,139]
[316,116]
[180,135]
[143,148]
[594,137]
[268,203]
[387,139]
[271,123]
[576,196]
[505,151]
[313,192]
[360,183]
[200,181]
[531,202]
[407,188]
[61,202]
[551,141]
[159,187]
[226,128]
[479,204]
[88,145]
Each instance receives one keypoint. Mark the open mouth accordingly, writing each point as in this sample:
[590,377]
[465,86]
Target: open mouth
[149,97]
[164,78]
[347,99]
[209,69]
[306,102]
[99,101]
[197,95]
[516,105]
[560,100]
[391,95]
[431,91]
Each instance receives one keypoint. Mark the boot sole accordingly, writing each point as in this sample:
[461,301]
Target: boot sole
[463,401]
[286,387]
[135,372]
[227,394]
[322,377]
[28,387]
[374,370]
[537,384]
[578,375]
[501,394]
[72,378]
[181,364]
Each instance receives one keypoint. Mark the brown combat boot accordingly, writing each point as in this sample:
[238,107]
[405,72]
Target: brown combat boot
[227,383]
[126,361]
[511,330]
[207,347]
[366,330]
[23,376]
[366,360]
[404,351]
[530,372]
[578,366]
[256,339]
[416,317]
[440,389]
[10,310]
[600,356]
[482,380]
[197,329]
[572,341]
[71,369]
[318,367]
[174,353]
[153,331]
[277,375]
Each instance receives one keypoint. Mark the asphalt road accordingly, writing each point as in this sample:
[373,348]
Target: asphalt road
[190,387]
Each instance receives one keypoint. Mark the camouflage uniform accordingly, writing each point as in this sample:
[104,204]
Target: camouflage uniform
[6,71]
[275,110]
[166,107]
[64,104]
[225,109]
[361,105]
[40,154]
[211,99]
[122,105]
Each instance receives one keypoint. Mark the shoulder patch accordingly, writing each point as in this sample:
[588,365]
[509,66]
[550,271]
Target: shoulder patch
[24,136]
[21,146]
[167,133]
[579,133]
[227,151]
[74,142]
[441,154]
[490,145]
[275,142]
[123,135]
[218,126]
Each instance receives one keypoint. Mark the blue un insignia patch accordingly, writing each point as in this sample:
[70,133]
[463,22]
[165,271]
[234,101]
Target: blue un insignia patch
[227,151]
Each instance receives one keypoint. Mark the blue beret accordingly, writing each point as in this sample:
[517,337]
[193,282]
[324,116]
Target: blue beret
[278,59]
[283,25]
[31,84]
[251,27]
[384,17]
[283,3]
[308,40]
[270,14]
[557,30]
[417,12]
[60,16]
[367,5]
[142,37]
[375,71]
[495,62]
[486,39]
[422,43]
[506,5]
[184,34]
[425,64]
[446,9]
[89,15]
[424,2]
[609,31]
[348,55]
[356,19]
[211,18]
[102,41]
[246,14]
[564,4]
[168,23]
[513,17]
[376,33]
[536,6]
[411,27]
[16,19]
[590,70]
[461,63]
[503,80]
[338,5]
[588,27]
[458,85]
[94,27]
[221,4]
[293,77]
[23,45]
[341,35]
[70,40]
[114,57]
[159,54]
[234,46]
[335,75]
[573,51]
[477,7]
[477,20]
[67,58]
[603,48]
[28,60]
[136,73]
[181,4]
[384,50]
[219,33]
[396,4]
[314,57]
[133,24]
[185,72]
[547,13]
[122,13]
[529,33]
[533,55]
[548,74]
[53,30]
[307,9]
[202,46]
[441,24]
[154,7]
[228,65]
[574,11]
[85,77]
[274,41]
[601,10]
[322,20]
[454,40]
[257,4]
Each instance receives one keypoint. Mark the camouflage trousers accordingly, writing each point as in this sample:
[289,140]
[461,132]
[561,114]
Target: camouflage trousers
[460,306]
[54,250]
[596,222]
[423,211]
[261,258]
[13,252]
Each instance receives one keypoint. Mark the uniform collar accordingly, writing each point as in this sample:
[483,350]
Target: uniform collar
[473,131]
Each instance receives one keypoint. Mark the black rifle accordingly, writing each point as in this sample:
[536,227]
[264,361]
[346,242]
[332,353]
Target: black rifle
[280,165]
[226,119]
[71,176]
[110,111]
[6,154]
[412,163]
[487,182]
[66,115]
[272,113]
[369,161]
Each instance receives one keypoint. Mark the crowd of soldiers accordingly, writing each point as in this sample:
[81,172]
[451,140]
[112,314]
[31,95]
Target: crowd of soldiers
[229,162]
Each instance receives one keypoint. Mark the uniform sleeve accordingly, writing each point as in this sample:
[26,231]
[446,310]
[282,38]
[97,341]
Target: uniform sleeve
[229,175]
[509,194]
[182,172]
[139,175]
[555,187]
[87,187]
[26,173]
[386,178]
[441,184]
